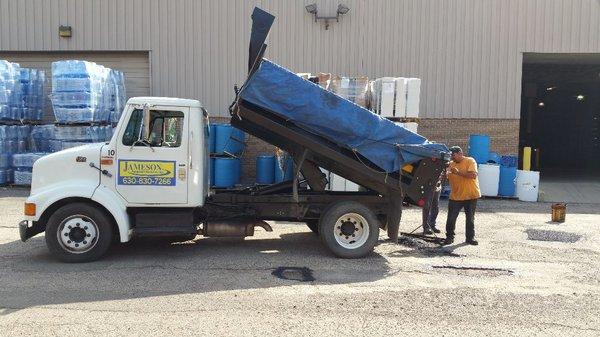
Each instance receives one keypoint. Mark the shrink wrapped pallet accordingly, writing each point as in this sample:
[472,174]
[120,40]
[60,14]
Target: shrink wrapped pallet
[353,89]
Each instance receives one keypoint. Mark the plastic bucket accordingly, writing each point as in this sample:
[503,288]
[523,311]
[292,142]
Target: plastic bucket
[227,172]
[284,169]
[479,148]
[228,140]
[508,175]
[559,212]
[265,169]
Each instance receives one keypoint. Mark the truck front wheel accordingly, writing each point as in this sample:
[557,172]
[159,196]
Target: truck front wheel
[349,229]
[79,232]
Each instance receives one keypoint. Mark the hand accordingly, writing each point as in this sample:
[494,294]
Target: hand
[454,170]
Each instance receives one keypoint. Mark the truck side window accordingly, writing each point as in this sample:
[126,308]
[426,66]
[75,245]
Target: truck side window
[162,128]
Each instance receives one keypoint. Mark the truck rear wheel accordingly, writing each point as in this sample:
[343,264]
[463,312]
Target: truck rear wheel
[349,229]
[79,232]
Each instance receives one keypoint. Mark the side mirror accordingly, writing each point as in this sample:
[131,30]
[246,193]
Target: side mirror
[145,127]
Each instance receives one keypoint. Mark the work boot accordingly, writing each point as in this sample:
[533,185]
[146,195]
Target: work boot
[472,242]
[448,241]
[427,232]
[435,230]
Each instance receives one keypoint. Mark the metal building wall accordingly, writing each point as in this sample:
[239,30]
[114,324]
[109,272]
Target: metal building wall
[468,52]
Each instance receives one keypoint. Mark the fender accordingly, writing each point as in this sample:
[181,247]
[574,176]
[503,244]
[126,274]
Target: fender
[47,196]
[115,204]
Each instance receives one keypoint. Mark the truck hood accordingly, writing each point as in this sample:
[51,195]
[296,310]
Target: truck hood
[71,165]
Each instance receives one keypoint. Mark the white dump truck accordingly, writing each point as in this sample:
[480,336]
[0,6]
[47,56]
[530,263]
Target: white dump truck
[152,178]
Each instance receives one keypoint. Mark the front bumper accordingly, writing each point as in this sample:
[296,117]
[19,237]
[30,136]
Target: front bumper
[26,231]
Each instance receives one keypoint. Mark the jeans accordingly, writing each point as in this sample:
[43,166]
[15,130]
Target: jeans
[454,207]
[431,209]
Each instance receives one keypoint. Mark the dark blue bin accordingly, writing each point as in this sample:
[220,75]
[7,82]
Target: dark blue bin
[507,181]
[509,161]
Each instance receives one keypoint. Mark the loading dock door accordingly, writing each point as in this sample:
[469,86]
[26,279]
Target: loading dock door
[134,65]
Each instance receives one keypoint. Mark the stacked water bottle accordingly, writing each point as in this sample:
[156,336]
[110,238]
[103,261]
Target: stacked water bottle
[32,94]
[23,166]
[226,145]
[11,103]
[21,101]
[14,140]
[85,92]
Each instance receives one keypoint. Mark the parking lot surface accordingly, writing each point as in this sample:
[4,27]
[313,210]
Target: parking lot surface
[528,276]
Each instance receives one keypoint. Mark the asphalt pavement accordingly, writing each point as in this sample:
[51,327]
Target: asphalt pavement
[523,279]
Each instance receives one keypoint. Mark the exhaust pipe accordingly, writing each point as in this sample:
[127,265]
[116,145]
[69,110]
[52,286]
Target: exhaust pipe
[233,228]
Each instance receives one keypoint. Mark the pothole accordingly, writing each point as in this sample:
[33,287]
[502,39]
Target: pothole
[301,274]
[548,235]
[474,271]
[425,245]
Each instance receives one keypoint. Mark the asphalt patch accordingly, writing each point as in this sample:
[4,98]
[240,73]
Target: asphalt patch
[475,271]
[430,246]
[301,274]
[548,235]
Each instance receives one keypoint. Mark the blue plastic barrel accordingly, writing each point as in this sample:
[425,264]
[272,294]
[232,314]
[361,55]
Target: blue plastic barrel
[228,139]
[494,158]
[265,169]
[507,181]
[212,171]
[509,161]
[479,148]
[211,138]
[284,169]
[227,172]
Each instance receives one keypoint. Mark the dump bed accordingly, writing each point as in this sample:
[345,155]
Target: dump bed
[320,129]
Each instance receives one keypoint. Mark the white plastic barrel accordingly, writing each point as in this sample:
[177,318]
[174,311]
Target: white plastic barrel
[528,185]
[489,179]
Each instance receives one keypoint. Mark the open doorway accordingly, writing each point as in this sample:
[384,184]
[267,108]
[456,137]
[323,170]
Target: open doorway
[560,120]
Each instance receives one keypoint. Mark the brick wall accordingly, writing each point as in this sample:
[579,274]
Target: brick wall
[504,135]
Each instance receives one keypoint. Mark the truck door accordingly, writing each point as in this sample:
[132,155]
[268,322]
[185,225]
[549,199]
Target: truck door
[152,155]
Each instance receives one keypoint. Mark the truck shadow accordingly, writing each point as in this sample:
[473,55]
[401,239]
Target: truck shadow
[148,268]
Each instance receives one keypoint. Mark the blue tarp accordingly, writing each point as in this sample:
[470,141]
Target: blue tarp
[324,113]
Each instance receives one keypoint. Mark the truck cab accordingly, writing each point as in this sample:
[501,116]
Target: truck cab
[157,158]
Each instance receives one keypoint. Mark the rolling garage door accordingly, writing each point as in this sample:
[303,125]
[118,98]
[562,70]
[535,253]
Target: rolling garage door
[134,65]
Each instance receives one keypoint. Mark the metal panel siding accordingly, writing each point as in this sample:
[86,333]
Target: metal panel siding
[468,52]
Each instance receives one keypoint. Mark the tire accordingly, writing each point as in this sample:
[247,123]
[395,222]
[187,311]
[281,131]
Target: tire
[79,232]
[343,220]
[313,225]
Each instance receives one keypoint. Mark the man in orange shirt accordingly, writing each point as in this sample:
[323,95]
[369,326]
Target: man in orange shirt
[462,175]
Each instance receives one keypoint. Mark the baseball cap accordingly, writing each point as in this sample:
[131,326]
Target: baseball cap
[455,149]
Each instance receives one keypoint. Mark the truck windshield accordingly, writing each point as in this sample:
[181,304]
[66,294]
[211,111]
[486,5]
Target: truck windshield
[161,128]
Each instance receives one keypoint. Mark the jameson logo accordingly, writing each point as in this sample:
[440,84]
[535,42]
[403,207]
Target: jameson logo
[147,172]
[153,169]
